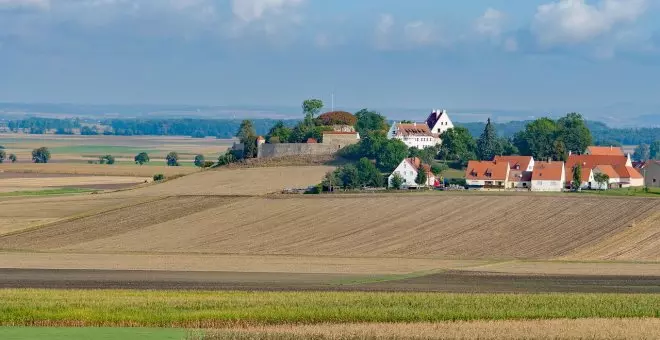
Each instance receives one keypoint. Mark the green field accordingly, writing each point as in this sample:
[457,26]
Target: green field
[47,192]
[37,333]
[203,309]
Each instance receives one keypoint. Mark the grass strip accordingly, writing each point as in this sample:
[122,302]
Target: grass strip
[204,309]
[38,333]
[47,192]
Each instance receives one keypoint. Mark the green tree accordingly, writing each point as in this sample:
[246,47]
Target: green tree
[368,174]
[3,155]
[41,155]
[245,131]
[172,159]
[250,148]
[457,145]
[577,177]
[141,158]
[159,177]
[397,181]
[602,179]
[507,147]
[572,130]
[488,145]
[227,158]
[391,154]
[438,169]
[428,154]
[199,161]
[642,152]
[421,176]
[655,150]
[370,121]
[311,108]
[349,176]
[107,159]
[12,157]
[279,133]
[538,139]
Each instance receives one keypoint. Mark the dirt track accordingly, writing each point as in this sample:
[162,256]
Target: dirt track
[452,281]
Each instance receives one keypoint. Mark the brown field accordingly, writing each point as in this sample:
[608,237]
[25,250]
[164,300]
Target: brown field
[129,170]
[10,182]
[518,329]
[477,227]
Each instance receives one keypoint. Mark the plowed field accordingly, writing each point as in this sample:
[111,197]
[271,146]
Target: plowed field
[461,227]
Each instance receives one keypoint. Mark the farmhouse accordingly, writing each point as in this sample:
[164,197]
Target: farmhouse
[604,151]
[520,170]
[486,175]
[626,174]
[422,135]
[652,174]
[548,176]
[408,170]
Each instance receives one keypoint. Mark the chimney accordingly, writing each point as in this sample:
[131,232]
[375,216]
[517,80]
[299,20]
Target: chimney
[611,147]
[549,160]
[444,112]
[570,153]
[414,123]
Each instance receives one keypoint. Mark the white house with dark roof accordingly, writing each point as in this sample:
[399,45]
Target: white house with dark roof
[422,135]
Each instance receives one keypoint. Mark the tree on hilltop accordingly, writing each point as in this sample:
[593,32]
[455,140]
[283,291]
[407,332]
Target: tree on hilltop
[141,158]
[172,159]
[311,108]
[41,155]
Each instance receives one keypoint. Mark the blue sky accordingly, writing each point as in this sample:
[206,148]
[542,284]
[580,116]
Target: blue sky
[497,54]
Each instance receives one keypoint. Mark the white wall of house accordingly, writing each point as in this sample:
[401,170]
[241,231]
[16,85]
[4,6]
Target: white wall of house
[520,184]
[637,182]
[480,184]
[419,142]
[550,185]
[591,182]
[443,124]
[409,175]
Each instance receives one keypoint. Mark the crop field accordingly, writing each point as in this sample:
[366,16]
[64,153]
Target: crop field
[474,227]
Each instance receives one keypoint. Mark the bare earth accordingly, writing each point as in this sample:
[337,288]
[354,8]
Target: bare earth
[520,329]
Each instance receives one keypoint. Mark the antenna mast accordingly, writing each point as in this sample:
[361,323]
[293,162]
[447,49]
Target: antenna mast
[333,101]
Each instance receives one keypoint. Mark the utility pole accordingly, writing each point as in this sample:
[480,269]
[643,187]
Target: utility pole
[333,101]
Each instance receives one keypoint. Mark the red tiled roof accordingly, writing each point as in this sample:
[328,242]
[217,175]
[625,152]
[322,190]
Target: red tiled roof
[605,151]
[485,170]
[417,129]
[608,170]
[547,171]
[516,162]
[618,163]
[311,140]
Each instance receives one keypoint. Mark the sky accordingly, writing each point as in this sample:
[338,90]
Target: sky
[487,54]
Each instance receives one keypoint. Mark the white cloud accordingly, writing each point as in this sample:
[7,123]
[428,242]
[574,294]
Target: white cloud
[390,36]
[25,4]
[384,31]
[251,10]
[576,21]
[419,33]
[490,23]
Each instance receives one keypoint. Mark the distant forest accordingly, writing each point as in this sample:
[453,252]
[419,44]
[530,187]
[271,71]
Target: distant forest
[226,128]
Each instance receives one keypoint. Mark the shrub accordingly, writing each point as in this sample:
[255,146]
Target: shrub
[141,158]
[12,158]
[159,177]
[172,159]
[337,118]
[107,159]
[208,164]
[41,155]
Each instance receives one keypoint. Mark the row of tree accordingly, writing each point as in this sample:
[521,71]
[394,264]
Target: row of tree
[4,156]
[645,152]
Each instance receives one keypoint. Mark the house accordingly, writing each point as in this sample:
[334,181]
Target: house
[422,135]
[408,170]
[605,151]
[651,172]
[487,175]
[520,170]
[626,174]
[611,174]
[548,176]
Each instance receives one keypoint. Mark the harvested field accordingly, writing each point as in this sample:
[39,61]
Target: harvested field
[131,170]
[496,330]
[254,181]
[23,182]
[434,226]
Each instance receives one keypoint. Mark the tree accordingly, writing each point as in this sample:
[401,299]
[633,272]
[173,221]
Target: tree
[141,158]
[572,130]
[368,174]
[12,158]
[642,152]
[391,154]
[159,177]
[279,133]
[227,158]
[438,169]
[199,161]
[337,118]
[370,121]
[107,159]
[602,179]
[172,159]
[250,149]
[655,150]
[311,108]
[577,177]
[421,176]
[538,139]
[457,145]
[3,155]
[488,145]
[507,147]
[245,131]
[397,181]
[41,155]
[428,154]
[349,177]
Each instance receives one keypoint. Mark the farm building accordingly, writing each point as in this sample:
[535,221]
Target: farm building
[520,171]
[548,176]
[486,175]
[408,170]
[422,135]
[605,151]
[652,174]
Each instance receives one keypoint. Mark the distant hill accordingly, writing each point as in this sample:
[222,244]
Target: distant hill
[602,134]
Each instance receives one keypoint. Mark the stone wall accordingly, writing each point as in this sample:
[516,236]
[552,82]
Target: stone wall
[295,149]
[340,140]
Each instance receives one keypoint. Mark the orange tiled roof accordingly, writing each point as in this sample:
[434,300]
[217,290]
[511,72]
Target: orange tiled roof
[485,170]
[311,140]
[618,163]
[605,151]
[516,162]
[416,163]
[608,170]
[417,129]
[547,171]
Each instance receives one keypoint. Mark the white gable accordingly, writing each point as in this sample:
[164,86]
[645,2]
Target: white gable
[443,122]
